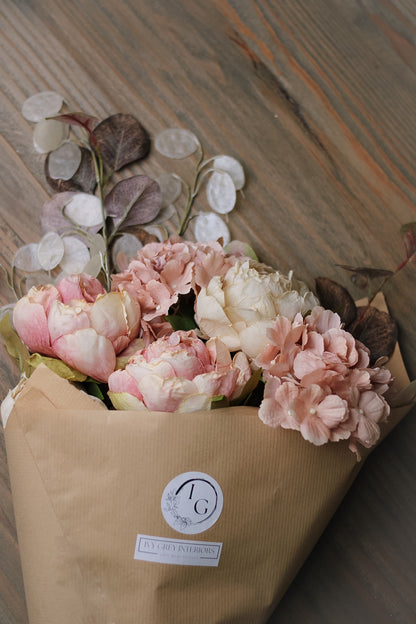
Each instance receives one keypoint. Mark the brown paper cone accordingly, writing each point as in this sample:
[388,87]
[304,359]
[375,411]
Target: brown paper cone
[87,481]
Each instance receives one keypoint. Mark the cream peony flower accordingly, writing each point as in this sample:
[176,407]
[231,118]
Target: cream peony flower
[240,306]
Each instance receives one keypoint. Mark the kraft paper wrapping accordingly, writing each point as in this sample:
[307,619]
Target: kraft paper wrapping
[86,481]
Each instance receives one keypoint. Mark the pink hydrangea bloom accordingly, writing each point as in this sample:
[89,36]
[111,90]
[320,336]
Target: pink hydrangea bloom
[163,271]
[318,381]
[178,373]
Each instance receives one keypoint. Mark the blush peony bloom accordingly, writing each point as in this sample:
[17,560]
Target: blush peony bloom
[318,381]
[85,333]
[178,373]
[80,286]
[240,306]
[163,271]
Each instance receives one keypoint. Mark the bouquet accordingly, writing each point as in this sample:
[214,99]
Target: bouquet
[188,418]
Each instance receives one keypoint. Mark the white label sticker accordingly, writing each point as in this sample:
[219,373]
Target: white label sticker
[192,502]
[176,551]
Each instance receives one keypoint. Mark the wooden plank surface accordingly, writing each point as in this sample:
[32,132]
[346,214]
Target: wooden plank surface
[317,99]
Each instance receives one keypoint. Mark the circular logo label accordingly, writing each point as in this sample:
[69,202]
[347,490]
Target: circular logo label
[192,502]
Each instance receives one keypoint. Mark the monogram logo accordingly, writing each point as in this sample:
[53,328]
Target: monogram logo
[192,502]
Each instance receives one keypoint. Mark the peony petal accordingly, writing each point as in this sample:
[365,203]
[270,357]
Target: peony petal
[87,352]
[30,322]
[253,339]
[64,319]
[165,395]
[194,403]
[122,382]
[125,401]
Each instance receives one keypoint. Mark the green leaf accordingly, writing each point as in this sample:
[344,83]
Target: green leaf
[219,401]
[93,388]
[17,350]
[179,322]
[57,366]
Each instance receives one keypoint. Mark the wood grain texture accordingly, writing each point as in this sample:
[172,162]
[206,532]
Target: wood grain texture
[317,99]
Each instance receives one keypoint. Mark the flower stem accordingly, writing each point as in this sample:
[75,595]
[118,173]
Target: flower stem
[192,193]
[99,176]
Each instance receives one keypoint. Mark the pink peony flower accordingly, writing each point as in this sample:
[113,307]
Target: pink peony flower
[80,286]
[318,381]
[163,271]
[85,333]
[178,372]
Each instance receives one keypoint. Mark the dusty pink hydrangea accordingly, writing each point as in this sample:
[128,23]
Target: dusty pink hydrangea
[319,381]
[163,271]
[179,372]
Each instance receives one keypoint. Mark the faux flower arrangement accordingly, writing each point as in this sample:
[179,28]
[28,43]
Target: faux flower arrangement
[179,340]
[185,325]
[249,320]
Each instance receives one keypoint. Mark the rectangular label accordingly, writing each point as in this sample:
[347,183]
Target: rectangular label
[177,551]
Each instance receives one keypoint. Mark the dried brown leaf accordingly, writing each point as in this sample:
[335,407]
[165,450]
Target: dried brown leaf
[376,329]
[368,272]
[133,201]
[408,234]
[121,140]
[335,297]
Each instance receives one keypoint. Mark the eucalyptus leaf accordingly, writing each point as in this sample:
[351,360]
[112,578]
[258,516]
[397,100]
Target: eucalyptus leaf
[133,201]
[121,140]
